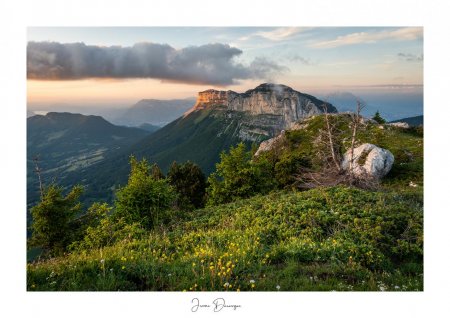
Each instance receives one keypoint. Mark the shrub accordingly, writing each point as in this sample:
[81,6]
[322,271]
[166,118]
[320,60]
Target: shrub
[144,199]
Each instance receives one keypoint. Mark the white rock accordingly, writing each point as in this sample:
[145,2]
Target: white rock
[369,161]
[399,125]
[270,143]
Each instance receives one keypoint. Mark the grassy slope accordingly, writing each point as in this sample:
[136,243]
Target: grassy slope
[322,239]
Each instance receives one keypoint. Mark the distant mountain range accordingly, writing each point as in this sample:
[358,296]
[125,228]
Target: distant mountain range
[66,142]
[391,106]
[153,111]
[412,121]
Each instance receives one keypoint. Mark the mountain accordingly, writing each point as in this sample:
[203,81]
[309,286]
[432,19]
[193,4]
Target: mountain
[154,111]
[412,121]
[391,105]
[66,142]
[149,127]
[30,113]
[217,121]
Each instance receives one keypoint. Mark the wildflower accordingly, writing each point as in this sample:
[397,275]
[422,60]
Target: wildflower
[227,284]
[238,290]
[102,261]
[123,267]
[412,184]
[169,274]
[193,264]
[110,269]
[278,287]
[253,286]
[396,287]
[252,281]
[33,286]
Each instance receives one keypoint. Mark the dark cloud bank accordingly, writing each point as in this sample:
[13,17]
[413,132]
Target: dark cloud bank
[206,64]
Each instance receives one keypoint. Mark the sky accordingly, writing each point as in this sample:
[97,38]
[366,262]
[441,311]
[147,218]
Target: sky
[121,65]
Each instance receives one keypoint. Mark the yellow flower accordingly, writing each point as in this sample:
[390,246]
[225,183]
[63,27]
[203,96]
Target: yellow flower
[33,286]
[193,264]
[253,285]
[238,290]
[123,267]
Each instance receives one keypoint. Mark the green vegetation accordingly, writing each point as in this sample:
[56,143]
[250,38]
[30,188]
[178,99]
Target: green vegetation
[377,117]
[323,239]
[258,231]
[237,176]
[190,183]
[54,219]
[144,199]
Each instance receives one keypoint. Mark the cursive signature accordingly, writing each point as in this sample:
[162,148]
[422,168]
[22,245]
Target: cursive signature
[217,305]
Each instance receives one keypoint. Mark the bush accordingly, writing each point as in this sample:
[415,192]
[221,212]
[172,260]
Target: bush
[190,184]
[237,176]
[54,219]
[144,199]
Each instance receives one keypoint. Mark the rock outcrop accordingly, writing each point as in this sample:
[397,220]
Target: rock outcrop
[270,143]
[369,161]
[266,99]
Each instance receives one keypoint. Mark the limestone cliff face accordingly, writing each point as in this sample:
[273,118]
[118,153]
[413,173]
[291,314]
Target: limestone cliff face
[266,99]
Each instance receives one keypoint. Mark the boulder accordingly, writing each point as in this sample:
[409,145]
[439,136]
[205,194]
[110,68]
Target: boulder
[369,161]
[399,124]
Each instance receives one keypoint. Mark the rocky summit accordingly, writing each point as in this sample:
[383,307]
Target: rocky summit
[283,104]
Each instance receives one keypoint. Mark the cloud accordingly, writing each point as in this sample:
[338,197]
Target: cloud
[402,34]
[278,34]
[410,57]
[213,64]
[301,59]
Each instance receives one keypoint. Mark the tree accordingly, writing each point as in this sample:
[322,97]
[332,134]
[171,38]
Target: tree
[157,174]
[377,117]
[54,224]
[238,176]
[190,183]
[144,199]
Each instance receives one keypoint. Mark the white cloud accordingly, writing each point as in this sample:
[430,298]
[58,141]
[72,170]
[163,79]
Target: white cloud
[402,34]
[278,34]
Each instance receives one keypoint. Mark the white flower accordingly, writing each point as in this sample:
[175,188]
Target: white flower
[169,274]
[252,281]
[412,184]
[102,261]
[278,287]
[226,284]
[396,287]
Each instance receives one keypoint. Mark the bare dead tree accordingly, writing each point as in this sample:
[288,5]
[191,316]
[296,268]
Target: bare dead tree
[356,121]
[38,171]
[331,142]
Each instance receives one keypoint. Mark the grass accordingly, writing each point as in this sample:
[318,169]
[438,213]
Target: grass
[323,239]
